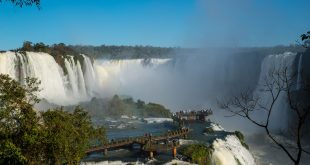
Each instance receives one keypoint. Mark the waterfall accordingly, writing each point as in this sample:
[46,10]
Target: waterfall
[299,78]
[76,80]
[280,108]
[81,80]
[129,76]
[56,86]
[230,151]
[72,74]
[45,68]
[90,77]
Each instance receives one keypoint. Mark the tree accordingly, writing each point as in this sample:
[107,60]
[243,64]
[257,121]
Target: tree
[155,110]
[198,153]
[305,38]
[20,133]
[68,135]
[40,47]
[27,46]
[280,81]
[140,104]
[22,3]
[51,137]
[116,106]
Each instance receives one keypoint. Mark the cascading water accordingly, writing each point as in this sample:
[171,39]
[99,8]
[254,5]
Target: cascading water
[45,68]
[56,87]
[128,76]
[231,152]
[79,80]
[76,78]
[91,82]
[279,112]
[299,79]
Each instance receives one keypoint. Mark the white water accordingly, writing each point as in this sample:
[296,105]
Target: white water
[280,109]
[82,80]
[216,127]
[76,78]
[125,76]
[178,162]
[56,87]
[41,66]
[299,79]
[157,120]
[111,163]
[230,151]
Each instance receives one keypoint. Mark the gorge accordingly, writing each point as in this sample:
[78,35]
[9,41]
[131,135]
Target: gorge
[185,81]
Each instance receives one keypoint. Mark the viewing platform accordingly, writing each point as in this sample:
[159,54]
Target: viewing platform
[192,115]
[148,143]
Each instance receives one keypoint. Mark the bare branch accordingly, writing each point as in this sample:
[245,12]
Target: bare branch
[278,81]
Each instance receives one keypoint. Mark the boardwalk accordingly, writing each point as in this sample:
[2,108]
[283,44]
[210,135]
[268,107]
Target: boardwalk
[148,143]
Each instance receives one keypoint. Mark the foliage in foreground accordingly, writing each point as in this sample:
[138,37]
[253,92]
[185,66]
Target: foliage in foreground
[198,153]
[51,137]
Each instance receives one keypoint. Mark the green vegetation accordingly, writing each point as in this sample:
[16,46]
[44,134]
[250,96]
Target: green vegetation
[241,138]
[58,51]
[55,50]
[77,133]
[208,130]
[51,137]
[125,52]
[22,3]
[103,51]
[197,153]
[62,51]
[305,38]
[155,110]
[117,107]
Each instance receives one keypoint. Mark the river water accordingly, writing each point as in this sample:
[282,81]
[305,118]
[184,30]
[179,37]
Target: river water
[138,128]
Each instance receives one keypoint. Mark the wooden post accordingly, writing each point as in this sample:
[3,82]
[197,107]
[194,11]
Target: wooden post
[174,152]
[151,155]
[105,152]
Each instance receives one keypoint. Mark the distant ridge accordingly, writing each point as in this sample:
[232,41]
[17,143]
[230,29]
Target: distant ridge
[145,52]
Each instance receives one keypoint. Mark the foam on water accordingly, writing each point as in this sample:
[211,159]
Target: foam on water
[111,163]
[216,127]
[231,152]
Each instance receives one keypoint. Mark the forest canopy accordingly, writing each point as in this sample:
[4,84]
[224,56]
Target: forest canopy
[22,3]
[103,51]
[51,137]
[118,106]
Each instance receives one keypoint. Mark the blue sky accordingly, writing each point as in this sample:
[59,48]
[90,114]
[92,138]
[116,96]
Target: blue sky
[185,23]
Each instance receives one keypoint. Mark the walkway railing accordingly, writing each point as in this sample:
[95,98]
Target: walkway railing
[142,140]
